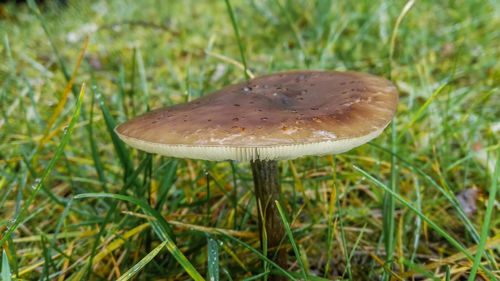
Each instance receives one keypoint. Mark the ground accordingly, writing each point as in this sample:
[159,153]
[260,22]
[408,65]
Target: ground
[416,203]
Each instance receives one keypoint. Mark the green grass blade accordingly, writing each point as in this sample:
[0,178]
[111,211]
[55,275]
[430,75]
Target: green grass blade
[342,236]
[389,206]
[110,212]
[487,220]
[121,150]
[159,225]
[448,274]
[47,171]
[240,45]
[420,270]
[142,263]
[432,224]
[213,258]
[418,220]
[421,110]
[99,167]
[261,256]
[309,277]
[34,8]
[257,276]
[450,197]
[290,236]
[331,208]
[142,76]
[58,229]
[6,275]
[295,31]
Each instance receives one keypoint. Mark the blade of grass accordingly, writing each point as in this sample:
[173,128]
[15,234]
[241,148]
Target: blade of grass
[142,76]
[58,228]
[432,224]
[299,186]
[418,220]
[34,8]
[237,34]
[110,212]
[93,147]
[235,194]
[392,43]
[121,150]
[290,237]
[14,267]
[160,226]
[342,235]
[213,258]
[299,275]
[295,31]
[64,97]
[487,220]
[255,277]
[450,197]
[389,206]
[331,209]
[142,263]
[6,275]
[109,248]
[261,256]
[418,269]
[421,110]
[47,171]
[351,255]
[231,61]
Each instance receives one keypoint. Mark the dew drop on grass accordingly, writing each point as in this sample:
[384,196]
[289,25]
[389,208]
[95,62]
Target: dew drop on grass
[10,223]
[35,183]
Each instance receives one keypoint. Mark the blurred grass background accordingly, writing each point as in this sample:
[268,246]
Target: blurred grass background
[439,155]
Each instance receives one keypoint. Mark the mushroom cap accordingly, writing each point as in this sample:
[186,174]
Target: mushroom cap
[283,115]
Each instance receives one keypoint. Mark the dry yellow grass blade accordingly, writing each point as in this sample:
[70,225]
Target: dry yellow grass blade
[32,267]
[231,61]
[36,238]
[211,230]
[300,187]
[64,97]
[115,245]
[493,242]
[381,263]
[66,262]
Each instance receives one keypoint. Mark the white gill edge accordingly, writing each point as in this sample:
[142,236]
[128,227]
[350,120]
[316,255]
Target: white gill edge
[221,153]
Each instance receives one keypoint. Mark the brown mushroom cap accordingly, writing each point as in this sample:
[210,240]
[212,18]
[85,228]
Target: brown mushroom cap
[277,116]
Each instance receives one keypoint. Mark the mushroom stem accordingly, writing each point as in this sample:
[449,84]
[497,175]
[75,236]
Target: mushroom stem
[268,191]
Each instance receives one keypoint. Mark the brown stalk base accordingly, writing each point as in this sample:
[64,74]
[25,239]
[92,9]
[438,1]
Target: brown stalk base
[267,191]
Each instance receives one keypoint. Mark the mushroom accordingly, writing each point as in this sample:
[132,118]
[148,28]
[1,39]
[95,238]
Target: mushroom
[278,116]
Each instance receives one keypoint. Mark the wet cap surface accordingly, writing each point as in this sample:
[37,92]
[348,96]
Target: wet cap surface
[277,116]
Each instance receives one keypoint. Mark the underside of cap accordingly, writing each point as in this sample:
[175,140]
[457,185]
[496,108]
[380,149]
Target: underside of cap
[282,115]
[221,153]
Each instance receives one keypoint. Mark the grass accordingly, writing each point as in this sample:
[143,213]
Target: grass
[78,204]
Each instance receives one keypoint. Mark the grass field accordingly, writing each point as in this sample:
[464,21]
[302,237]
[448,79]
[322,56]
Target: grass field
[420,202]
